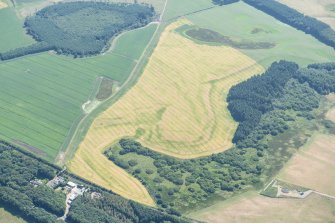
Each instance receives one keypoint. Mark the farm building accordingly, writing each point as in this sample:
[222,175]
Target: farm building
[71,184]
[285,190]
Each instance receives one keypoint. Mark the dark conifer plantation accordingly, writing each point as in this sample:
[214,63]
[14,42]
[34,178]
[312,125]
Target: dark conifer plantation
[320,30]
[80,28]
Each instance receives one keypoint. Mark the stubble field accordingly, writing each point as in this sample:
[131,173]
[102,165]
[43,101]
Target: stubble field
[181,78]
[151,112]
[313,166]
[252,207]
[178,107]
[321,9]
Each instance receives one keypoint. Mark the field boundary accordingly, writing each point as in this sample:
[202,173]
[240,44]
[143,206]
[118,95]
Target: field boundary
[86,120]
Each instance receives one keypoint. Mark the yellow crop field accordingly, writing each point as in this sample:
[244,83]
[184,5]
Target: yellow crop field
[178,108]
[91,164]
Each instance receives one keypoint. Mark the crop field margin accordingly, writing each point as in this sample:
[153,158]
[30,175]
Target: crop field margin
[84,123]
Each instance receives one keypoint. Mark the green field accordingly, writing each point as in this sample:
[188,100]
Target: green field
[331,7]
[42,94]
[7,217]
[270,190]
[10,27]
[157,4]
[132,51]
[210,37]
[241,21]
[21,2]
[176,8]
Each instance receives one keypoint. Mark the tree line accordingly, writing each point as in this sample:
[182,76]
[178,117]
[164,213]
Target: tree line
[249,100]
[41,204]
[35,204]
[32,49]
[224,2]
[182,184]
[112,208]
[80,28]
[266,104]
[320,30]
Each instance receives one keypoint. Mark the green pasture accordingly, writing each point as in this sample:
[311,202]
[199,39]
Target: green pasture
[128,46]
[177,8]
[42,95]
[27,1]
[157,4]
[241,21]
[7,217]
[12,34]
[270,190]
[330,7]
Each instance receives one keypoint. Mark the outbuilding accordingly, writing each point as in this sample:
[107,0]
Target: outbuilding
[71,184]
[285,190]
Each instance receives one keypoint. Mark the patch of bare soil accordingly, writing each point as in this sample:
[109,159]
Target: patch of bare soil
[30,148]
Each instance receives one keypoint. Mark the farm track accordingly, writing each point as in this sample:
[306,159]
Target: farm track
[113,98]
[132,77]
[195,96]
[190,13]
[133,185]
[325,195]
[263,60]
[35,95]
[208,93]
